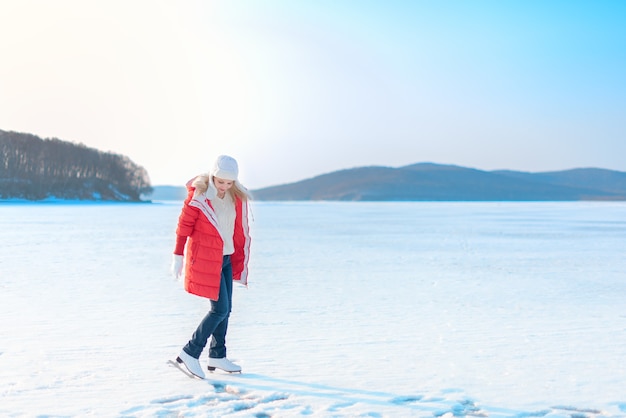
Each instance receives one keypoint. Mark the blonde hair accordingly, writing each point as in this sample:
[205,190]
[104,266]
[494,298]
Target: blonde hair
[237,191]
[201,184]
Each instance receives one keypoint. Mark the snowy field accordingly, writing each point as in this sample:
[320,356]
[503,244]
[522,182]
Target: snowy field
[353,310]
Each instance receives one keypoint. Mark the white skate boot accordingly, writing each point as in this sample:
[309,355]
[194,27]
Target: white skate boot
[191,363]
[223,364]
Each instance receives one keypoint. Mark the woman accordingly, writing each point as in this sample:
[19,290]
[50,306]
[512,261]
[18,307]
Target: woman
[213,238]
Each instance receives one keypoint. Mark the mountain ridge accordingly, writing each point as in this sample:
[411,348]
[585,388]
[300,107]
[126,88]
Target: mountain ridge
[428,181]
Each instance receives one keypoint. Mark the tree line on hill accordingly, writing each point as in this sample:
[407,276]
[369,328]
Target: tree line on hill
[33,168]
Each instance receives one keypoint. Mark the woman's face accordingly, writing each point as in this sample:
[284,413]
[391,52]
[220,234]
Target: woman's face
[222,185]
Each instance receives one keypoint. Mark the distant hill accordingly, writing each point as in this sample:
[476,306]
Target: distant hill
[436,182]
[33,168]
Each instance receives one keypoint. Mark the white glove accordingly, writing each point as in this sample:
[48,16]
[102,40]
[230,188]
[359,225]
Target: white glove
[177,267]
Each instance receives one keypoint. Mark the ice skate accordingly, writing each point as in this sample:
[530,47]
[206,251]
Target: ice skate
[223,364]
[191,363]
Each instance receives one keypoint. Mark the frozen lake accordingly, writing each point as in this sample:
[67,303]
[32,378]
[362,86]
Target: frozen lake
[353,309]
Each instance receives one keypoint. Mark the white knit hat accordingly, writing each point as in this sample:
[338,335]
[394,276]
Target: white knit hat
[226,168]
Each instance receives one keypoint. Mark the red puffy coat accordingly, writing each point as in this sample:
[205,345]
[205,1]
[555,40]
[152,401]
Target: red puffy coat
[197,228]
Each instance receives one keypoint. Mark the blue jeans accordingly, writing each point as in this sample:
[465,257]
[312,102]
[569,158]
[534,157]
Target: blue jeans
[215,323]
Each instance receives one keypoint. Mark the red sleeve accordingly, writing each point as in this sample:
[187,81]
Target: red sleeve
[241,240]
[181,240]
[186,225]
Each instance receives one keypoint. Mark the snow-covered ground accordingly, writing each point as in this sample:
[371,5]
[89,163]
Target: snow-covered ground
[354,309]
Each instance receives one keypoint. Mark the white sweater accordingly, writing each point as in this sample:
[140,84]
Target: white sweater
[225,211]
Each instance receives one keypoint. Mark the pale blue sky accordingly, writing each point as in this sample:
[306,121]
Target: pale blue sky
[294,89]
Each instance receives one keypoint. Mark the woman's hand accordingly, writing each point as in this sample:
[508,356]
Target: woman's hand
[177,267]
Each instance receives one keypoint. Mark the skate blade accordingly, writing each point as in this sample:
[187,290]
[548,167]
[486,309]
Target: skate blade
[212,369]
